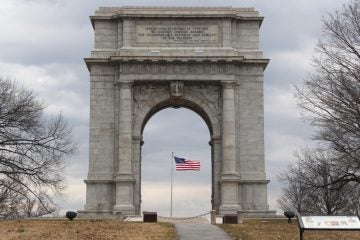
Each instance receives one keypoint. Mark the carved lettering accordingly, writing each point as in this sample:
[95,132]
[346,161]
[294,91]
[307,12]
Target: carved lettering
[191,33]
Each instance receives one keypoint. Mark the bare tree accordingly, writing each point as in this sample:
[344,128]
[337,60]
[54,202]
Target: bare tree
[306,187]
[330,98]
[295,195]
[354,199]
[17,202]
[326,179]
[32,152]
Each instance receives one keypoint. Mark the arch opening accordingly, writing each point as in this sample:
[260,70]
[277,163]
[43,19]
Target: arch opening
[184,103]
[182,131]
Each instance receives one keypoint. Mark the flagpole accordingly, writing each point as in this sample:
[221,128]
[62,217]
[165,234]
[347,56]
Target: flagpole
[171,194]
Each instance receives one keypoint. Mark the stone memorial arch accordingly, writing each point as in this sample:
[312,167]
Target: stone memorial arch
[149,58]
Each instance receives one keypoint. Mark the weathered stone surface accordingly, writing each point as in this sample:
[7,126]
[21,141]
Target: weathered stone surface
[205,59]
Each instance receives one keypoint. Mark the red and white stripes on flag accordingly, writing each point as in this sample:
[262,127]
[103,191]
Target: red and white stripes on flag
[183,164]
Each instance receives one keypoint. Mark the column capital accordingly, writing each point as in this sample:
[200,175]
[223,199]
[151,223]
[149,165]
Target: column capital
[138,140]
[127,84]
[215,140]
[228,84]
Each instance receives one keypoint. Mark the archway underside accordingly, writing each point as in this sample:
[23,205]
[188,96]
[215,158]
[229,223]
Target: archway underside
[178,103]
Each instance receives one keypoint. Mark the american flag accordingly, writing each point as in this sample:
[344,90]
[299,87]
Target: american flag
[183,164]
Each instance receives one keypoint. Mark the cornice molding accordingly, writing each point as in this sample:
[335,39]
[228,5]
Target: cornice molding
[116,13]
[188,61]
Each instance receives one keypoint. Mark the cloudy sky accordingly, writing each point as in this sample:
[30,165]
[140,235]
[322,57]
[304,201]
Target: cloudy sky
[43,43]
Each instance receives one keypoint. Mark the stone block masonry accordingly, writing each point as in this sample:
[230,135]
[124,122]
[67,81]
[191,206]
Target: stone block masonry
[149,58]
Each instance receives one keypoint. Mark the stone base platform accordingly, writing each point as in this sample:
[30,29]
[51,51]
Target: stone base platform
[258,214]
[100,215]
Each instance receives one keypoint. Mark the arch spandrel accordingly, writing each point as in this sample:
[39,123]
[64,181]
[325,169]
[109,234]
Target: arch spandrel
[201,98]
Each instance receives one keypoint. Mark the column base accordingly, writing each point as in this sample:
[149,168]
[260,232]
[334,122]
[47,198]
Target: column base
[117,212]
[99,214]
[251,213]
[258,213]
[125,209]
[229,209]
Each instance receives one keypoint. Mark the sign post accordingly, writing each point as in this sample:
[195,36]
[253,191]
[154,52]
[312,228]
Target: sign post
[327,223]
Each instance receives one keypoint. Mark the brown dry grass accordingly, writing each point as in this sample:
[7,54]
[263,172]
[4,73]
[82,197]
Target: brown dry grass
[84,230]
[280,229]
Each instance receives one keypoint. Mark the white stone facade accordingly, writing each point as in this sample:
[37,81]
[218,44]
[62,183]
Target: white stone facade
[146,59]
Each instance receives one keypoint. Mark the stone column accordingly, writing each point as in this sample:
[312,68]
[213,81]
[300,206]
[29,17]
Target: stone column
[228,129]
[125,178]
[137,143]
[125,128]
[216,171]
[229,176]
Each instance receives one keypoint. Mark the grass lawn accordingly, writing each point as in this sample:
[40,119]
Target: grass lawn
[280,229]
[85,230]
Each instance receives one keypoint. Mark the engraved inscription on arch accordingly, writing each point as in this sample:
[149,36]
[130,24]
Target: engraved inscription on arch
[155,33]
